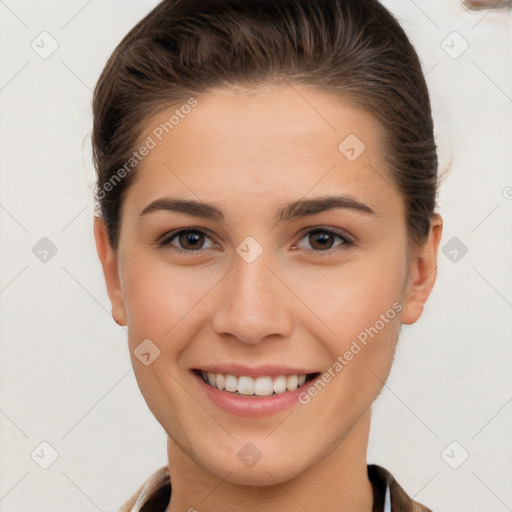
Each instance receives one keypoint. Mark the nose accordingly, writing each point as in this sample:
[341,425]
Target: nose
[254,304]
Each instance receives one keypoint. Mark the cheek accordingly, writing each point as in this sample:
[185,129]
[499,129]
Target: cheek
[158,297]
[160,301]
[364,314]
[352,297]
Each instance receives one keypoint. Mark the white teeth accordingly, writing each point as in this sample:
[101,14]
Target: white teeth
[280,384]
[246,385]
[231,383]
[220,380]
[292,382]
[263,386]
[259,386]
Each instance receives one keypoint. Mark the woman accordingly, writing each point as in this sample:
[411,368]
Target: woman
[267,177]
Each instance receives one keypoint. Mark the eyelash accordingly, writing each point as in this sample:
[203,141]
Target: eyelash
[166,242]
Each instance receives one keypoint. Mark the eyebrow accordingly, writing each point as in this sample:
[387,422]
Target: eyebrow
[294,210]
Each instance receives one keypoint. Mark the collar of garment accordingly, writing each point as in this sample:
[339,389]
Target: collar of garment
[388,496]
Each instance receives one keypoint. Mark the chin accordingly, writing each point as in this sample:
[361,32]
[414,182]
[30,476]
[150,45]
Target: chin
[262,474]
[247,465]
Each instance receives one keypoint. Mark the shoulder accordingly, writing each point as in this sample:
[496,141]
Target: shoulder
[152,496]
[400,501]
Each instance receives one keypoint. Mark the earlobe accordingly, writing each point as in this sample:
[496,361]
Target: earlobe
[422,273]
[109,264]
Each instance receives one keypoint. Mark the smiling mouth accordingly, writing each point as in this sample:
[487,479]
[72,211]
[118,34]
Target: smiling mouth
[255,386]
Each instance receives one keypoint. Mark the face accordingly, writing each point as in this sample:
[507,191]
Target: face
[285,259]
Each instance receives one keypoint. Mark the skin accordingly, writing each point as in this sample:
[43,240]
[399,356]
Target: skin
[249,153]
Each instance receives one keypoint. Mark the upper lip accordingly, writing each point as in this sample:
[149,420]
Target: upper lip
[253,371]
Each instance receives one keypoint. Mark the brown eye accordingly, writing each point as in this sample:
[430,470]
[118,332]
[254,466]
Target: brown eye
[191,240]
[321,240]
[188,240]
[324,240]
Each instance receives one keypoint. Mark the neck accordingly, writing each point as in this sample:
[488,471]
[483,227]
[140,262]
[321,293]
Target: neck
[336,483]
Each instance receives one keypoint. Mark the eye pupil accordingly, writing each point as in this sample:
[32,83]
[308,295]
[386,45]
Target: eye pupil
[322,237]
[192,238]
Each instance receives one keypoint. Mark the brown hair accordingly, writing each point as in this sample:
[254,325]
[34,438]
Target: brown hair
[183,48]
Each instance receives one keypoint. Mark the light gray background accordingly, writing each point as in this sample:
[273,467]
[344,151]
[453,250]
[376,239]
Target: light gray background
[65,371]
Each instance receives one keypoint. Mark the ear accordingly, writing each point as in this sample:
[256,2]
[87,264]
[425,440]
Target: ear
[109,263]
[422,273]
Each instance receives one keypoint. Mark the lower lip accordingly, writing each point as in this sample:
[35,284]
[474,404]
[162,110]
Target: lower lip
[251,406]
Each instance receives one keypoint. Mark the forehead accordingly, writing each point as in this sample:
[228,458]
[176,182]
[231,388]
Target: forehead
[265,144]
